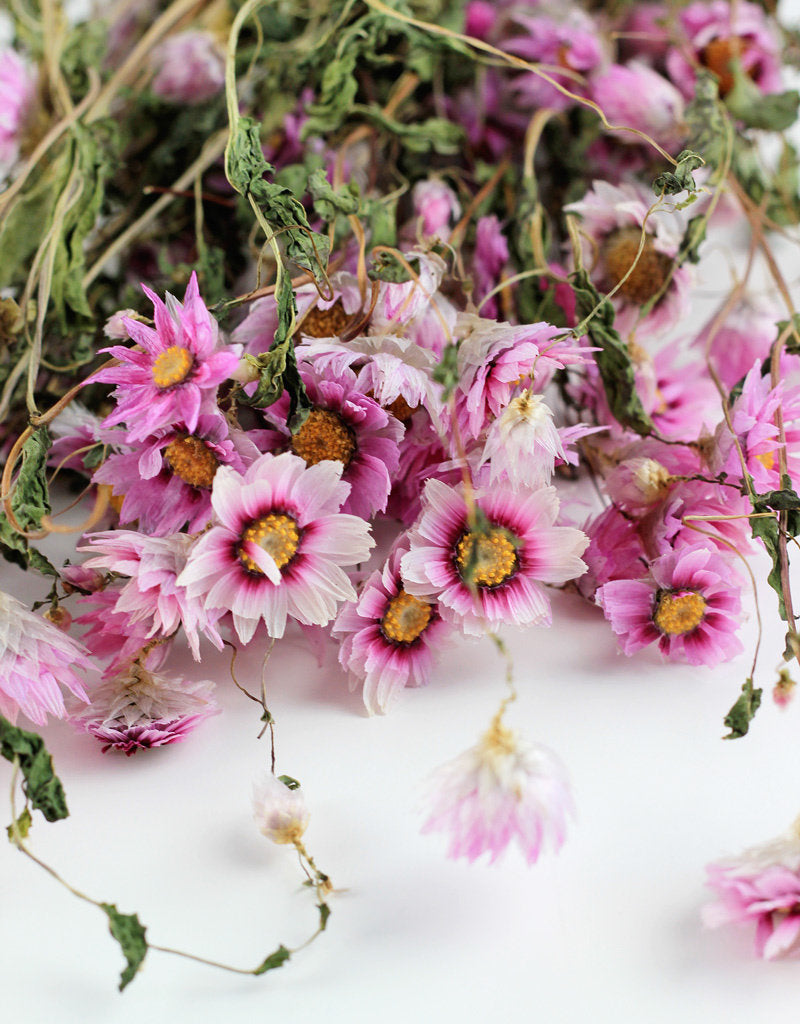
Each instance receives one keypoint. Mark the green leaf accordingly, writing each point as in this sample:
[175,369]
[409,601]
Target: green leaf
[387,267]
[324,914]
[31,500]
[435,133]
[772,111]
[276,959]
[743,712]
[289,782]
[329,203]
[706,120]
[613,360]
[767,528]
[693,238]
[15,548]
[335,96]
[446,371]
[681,179]
[20,828]
[41,785]
[130,934]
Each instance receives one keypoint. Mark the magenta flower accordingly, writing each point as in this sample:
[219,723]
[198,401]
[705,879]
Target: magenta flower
[615,550]
[634,96]
[761,885]
[613,219]
[689,605]
[435,207]
[500,791]
[491,256]
[165,482]
[388,637]
[350,428]
[151,597]
[140,709]
[190,68]
[113,635]
[17,94]
[280,545]
[484,578]
[36,660]
[717,32]
[746,336]
[176,376]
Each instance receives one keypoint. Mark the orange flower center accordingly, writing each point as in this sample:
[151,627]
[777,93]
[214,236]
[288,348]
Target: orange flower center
[172,367]
[277,534]
[191,460]
[405,619]
[650,273]
[324,323]
[324,435]
[401,410]
[486,559]
[679,612]
[767,459]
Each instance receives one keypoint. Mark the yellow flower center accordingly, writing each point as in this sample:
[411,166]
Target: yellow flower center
[650,273]
[277,534]
[324,435]
[679,612]
[486,559]
[324,323]
[190,459]
[717,57]
[401,410]
[406,618]
[767,459]
[172,367]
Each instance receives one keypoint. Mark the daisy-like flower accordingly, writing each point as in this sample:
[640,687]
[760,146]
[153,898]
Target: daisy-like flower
[351,429]
[279,810]
[499,791]
[151,596]
[389,638]
[280,545]
[761,885]
[165,482]
[493,574]
[140,708]
[36,660]
[17,93]
[190,67]
[614,219]
[688,605]
[174,376]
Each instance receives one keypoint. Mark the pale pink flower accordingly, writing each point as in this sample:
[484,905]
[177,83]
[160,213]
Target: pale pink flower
[638,483]
[634,96]
[17,94]
[401,304]
[279,810]
[500,791]
[280,545]
[75,431]
[174,379]
[388,638]
[761,885]
[190,67]
[435,206]
[36,660]
[689,605]
[523,443]
[745,336]
[140,709]
[488,577]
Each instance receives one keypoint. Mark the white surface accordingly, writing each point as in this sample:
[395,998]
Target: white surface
[609,930]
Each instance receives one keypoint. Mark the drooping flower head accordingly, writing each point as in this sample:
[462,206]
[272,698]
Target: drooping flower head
[279,545]
[492,574]
[388,637]
[500,791]
[36,660]
[175,376]
[687,605]
[17,92]
[761,885]
[140,709]
[279,810]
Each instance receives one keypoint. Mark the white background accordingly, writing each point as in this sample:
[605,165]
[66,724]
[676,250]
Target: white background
[607,931]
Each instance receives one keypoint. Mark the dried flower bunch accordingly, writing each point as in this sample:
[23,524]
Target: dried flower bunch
[435,265]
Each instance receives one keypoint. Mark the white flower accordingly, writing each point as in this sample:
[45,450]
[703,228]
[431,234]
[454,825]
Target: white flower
[523,443]
[280,812]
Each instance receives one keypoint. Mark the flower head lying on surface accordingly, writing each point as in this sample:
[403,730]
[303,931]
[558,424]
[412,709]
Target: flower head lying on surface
[500,790]
[279,809]
[762,885]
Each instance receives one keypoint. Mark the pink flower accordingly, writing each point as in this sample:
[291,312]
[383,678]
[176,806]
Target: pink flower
[190,68]
[490,576]
[500,791]
[615,550]
[175,379]
[140,709]
[746,336]
[687,605]
[75,432]
[113,635]
[36,660]
[718,32]
[388,637]
[17,94]
[279,546]
[523,443]
[402,304]
[151,596]
[613,219]
[165,482]
[634,96]
[491,255]
[761,885]
[351,429]
[436,206]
